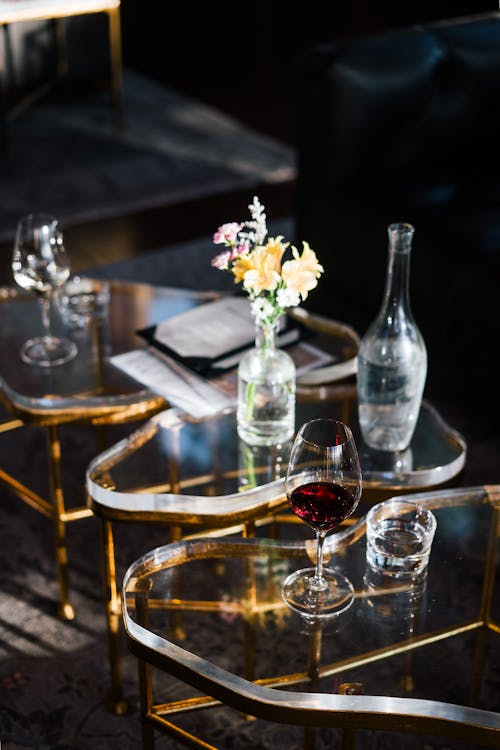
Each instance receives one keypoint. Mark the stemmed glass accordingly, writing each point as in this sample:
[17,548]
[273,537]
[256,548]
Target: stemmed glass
[40,265]
[323,486]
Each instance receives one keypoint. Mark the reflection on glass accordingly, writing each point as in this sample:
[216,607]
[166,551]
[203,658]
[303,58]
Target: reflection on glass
[393,462]
[393,603]
[260,465]
[83,301]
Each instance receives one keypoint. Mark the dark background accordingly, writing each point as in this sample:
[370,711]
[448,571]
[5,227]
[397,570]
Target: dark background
[240,56]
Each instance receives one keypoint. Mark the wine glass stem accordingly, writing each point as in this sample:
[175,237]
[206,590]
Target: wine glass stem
[45,307]
[318,580]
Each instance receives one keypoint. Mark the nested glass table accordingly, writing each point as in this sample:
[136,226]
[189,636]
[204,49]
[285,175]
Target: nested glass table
[206,620]
[167,470]
[197,476]
[86,390]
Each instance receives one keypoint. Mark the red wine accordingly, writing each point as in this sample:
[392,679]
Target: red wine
[323,505]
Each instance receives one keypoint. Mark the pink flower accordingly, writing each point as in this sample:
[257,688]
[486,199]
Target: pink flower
[243,248]
[226,234]
[221,261]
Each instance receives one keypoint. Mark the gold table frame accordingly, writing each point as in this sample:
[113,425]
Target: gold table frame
[65,397]
[51,416]
[183,514]
[96,404]
[174,505]
[269,698]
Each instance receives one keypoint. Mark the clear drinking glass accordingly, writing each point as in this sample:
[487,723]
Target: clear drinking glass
[399,536]
[40,265]
[323,486]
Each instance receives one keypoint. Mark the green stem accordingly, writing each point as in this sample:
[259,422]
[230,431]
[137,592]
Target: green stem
[263,342]
[249,399]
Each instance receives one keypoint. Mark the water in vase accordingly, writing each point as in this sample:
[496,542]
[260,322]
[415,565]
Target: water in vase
[266,399]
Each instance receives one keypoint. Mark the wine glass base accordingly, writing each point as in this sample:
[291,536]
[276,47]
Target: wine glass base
[334,597]
[46,351]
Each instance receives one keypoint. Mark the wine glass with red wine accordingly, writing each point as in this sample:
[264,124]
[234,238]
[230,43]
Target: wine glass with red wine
[323,486]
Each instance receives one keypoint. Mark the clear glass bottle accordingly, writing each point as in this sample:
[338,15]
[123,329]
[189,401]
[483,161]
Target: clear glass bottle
[266,391]
[392,358]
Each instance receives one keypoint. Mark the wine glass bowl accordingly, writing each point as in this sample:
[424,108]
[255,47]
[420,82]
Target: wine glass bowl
[40,265]
[323,486]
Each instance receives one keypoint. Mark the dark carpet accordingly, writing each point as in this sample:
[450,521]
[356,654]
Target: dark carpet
[186,265]
[64,156]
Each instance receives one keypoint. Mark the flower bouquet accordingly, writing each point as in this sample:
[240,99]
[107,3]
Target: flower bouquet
[273,284]
[266,375]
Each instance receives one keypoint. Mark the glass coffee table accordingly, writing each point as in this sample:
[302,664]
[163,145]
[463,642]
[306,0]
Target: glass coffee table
[197,477]
[191,475]
[416,655]
[86,390]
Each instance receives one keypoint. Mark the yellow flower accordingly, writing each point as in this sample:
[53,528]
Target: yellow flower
[241,265]
[301,274]
[309,260]
[261,274]
[275,247]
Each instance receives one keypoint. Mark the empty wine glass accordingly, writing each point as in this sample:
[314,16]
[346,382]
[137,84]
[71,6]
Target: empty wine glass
[40,265]
[323,486]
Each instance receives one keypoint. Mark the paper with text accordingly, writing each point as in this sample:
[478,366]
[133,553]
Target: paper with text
[209,330]
[182,388]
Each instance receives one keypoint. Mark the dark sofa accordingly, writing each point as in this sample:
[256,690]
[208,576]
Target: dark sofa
[405,126]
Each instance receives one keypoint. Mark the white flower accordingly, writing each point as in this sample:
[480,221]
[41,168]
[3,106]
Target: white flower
[261,309]
[257,212]
[287,298]
[258,226]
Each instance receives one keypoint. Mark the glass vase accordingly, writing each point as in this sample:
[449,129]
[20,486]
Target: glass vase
[392,358]
[266,391]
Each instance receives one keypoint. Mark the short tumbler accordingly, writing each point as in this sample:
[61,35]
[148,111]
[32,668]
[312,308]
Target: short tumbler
[83,300]
[399,536]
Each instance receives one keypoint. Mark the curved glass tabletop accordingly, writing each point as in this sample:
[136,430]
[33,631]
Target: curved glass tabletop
[418,655]
[88,386]
[175,455]
[199,471]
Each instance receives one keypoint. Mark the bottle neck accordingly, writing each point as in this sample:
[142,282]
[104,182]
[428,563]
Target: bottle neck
[397,289]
